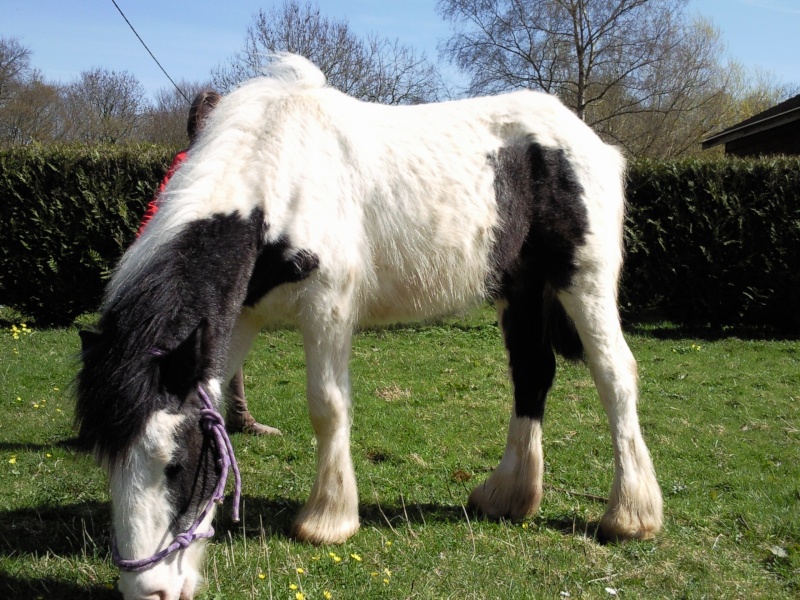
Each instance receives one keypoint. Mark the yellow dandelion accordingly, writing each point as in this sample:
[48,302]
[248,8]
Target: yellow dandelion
[35,406]
[15,336]
[385,581]
[300,596]
[262,576]
[355,557]
[293,586]
[12,460]
[374,573]
[524,525]
[387,572]
[327,595]
[55,389]
[300,570]
[48,455]
[388,542]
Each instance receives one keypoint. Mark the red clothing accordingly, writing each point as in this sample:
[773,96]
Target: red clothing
[152,208]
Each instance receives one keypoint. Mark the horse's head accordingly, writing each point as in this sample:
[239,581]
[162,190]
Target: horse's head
[154,427]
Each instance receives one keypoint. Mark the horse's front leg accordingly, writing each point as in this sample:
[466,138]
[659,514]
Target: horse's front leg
[331,514]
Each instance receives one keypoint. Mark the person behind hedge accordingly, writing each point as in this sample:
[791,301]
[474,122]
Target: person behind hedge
[237,415]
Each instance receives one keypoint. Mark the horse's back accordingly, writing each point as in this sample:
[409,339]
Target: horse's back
[403,202]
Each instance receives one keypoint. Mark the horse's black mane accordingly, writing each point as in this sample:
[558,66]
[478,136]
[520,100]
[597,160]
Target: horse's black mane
[202,273]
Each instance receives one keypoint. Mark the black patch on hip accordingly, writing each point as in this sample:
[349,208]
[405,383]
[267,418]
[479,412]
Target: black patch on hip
[543,218]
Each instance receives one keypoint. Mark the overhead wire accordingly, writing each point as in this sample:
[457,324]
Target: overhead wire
[163,70]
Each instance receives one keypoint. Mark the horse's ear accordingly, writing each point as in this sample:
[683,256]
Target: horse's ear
[89,339]
[185,366]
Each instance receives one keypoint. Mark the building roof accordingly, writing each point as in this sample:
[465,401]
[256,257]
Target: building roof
[780,114]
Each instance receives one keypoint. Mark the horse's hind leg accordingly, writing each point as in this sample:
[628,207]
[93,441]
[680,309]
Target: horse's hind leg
[331,514]
[514,488]
[635,505]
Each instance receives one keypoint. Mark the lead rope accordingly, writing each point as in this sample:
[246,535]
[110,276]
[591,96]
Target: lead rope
[212,423]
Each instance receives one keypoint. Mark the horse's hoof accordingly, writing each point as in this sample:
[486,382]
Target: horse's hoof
[507,501]
[324,531]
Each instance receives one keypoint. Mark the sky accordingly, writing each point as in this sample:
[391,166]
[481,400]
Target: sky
[191,37]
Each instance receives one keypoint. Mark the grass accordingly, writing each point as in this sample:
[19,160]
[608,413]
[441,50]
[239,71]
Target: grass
[721,418]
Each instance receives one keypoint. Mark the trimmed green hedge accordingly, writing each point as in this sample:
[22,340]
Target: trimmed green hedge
[709,242]
[715,243]
[68,214]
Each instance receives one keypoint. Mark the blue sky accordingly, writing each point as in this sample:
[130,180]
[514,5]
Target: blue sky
[190,37]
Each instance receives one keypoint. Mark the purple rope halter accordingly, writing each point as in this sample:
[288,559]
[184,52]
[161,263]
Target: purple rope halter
[212,424]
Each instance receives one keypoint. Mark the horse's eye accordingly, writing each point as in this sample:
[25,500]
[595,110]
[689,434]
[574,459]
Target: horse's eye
[172,470]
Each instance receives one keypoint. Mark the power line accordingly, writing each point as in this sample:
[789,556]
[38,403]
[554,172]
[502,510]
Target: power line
[180,91]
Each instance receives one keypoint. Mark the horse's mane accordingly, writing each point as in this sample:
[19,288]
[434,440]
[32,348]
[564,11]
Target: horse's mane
[191,263]
[117,386]
[201,273]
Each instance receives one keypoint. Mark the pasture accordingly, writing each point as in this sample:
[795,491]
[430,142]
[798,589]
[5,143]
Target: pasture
[721,418]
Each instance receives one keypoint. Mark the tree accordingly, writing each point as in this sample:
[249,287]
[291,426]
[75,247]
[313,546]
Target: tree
[32,114]
[165,121]
[15,67]
[373,69]
[623,66]
[104,106]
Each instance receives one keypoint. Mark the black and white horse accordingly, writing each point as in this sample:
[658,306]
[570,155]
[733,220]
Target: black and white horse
[302,205]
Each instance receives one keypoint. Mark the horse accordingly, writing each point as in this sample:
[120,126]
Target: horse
[300,205]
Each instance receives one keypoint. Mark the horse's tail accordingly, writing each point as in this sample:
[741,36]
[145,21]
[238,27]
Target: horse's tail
[559,327]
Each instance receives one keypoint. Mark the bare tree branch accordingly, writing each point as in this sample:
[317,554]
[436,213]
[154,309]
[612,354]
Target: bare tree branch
[623,66]
[376,69]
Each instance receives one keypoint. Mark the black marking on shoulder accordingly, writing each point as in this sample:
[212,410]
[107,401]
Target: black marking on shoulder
[277,264]
[543,219]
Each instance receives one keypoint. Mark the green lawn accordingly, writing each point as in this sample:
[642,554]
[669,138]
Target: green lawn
[721,418]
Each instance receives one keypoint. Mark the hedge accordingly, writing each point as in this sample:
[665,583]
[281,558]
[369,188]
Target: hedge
[709,242]
[68,214]
[715,243]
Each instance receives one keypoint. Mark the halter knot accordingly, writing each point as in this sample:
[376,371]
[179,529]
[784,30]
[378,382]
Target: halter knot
[210,418]
[184,539]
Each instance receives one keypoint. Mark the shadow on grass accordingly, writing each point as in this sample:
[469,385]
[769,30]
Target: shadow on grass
[573,525]
[14,588]
[661,330]
[83,531]
[71,444]
[275,517]
[73,532]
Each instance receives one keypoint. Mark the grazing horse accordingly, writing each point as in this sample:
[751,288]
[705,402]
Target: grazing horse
[301,205]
